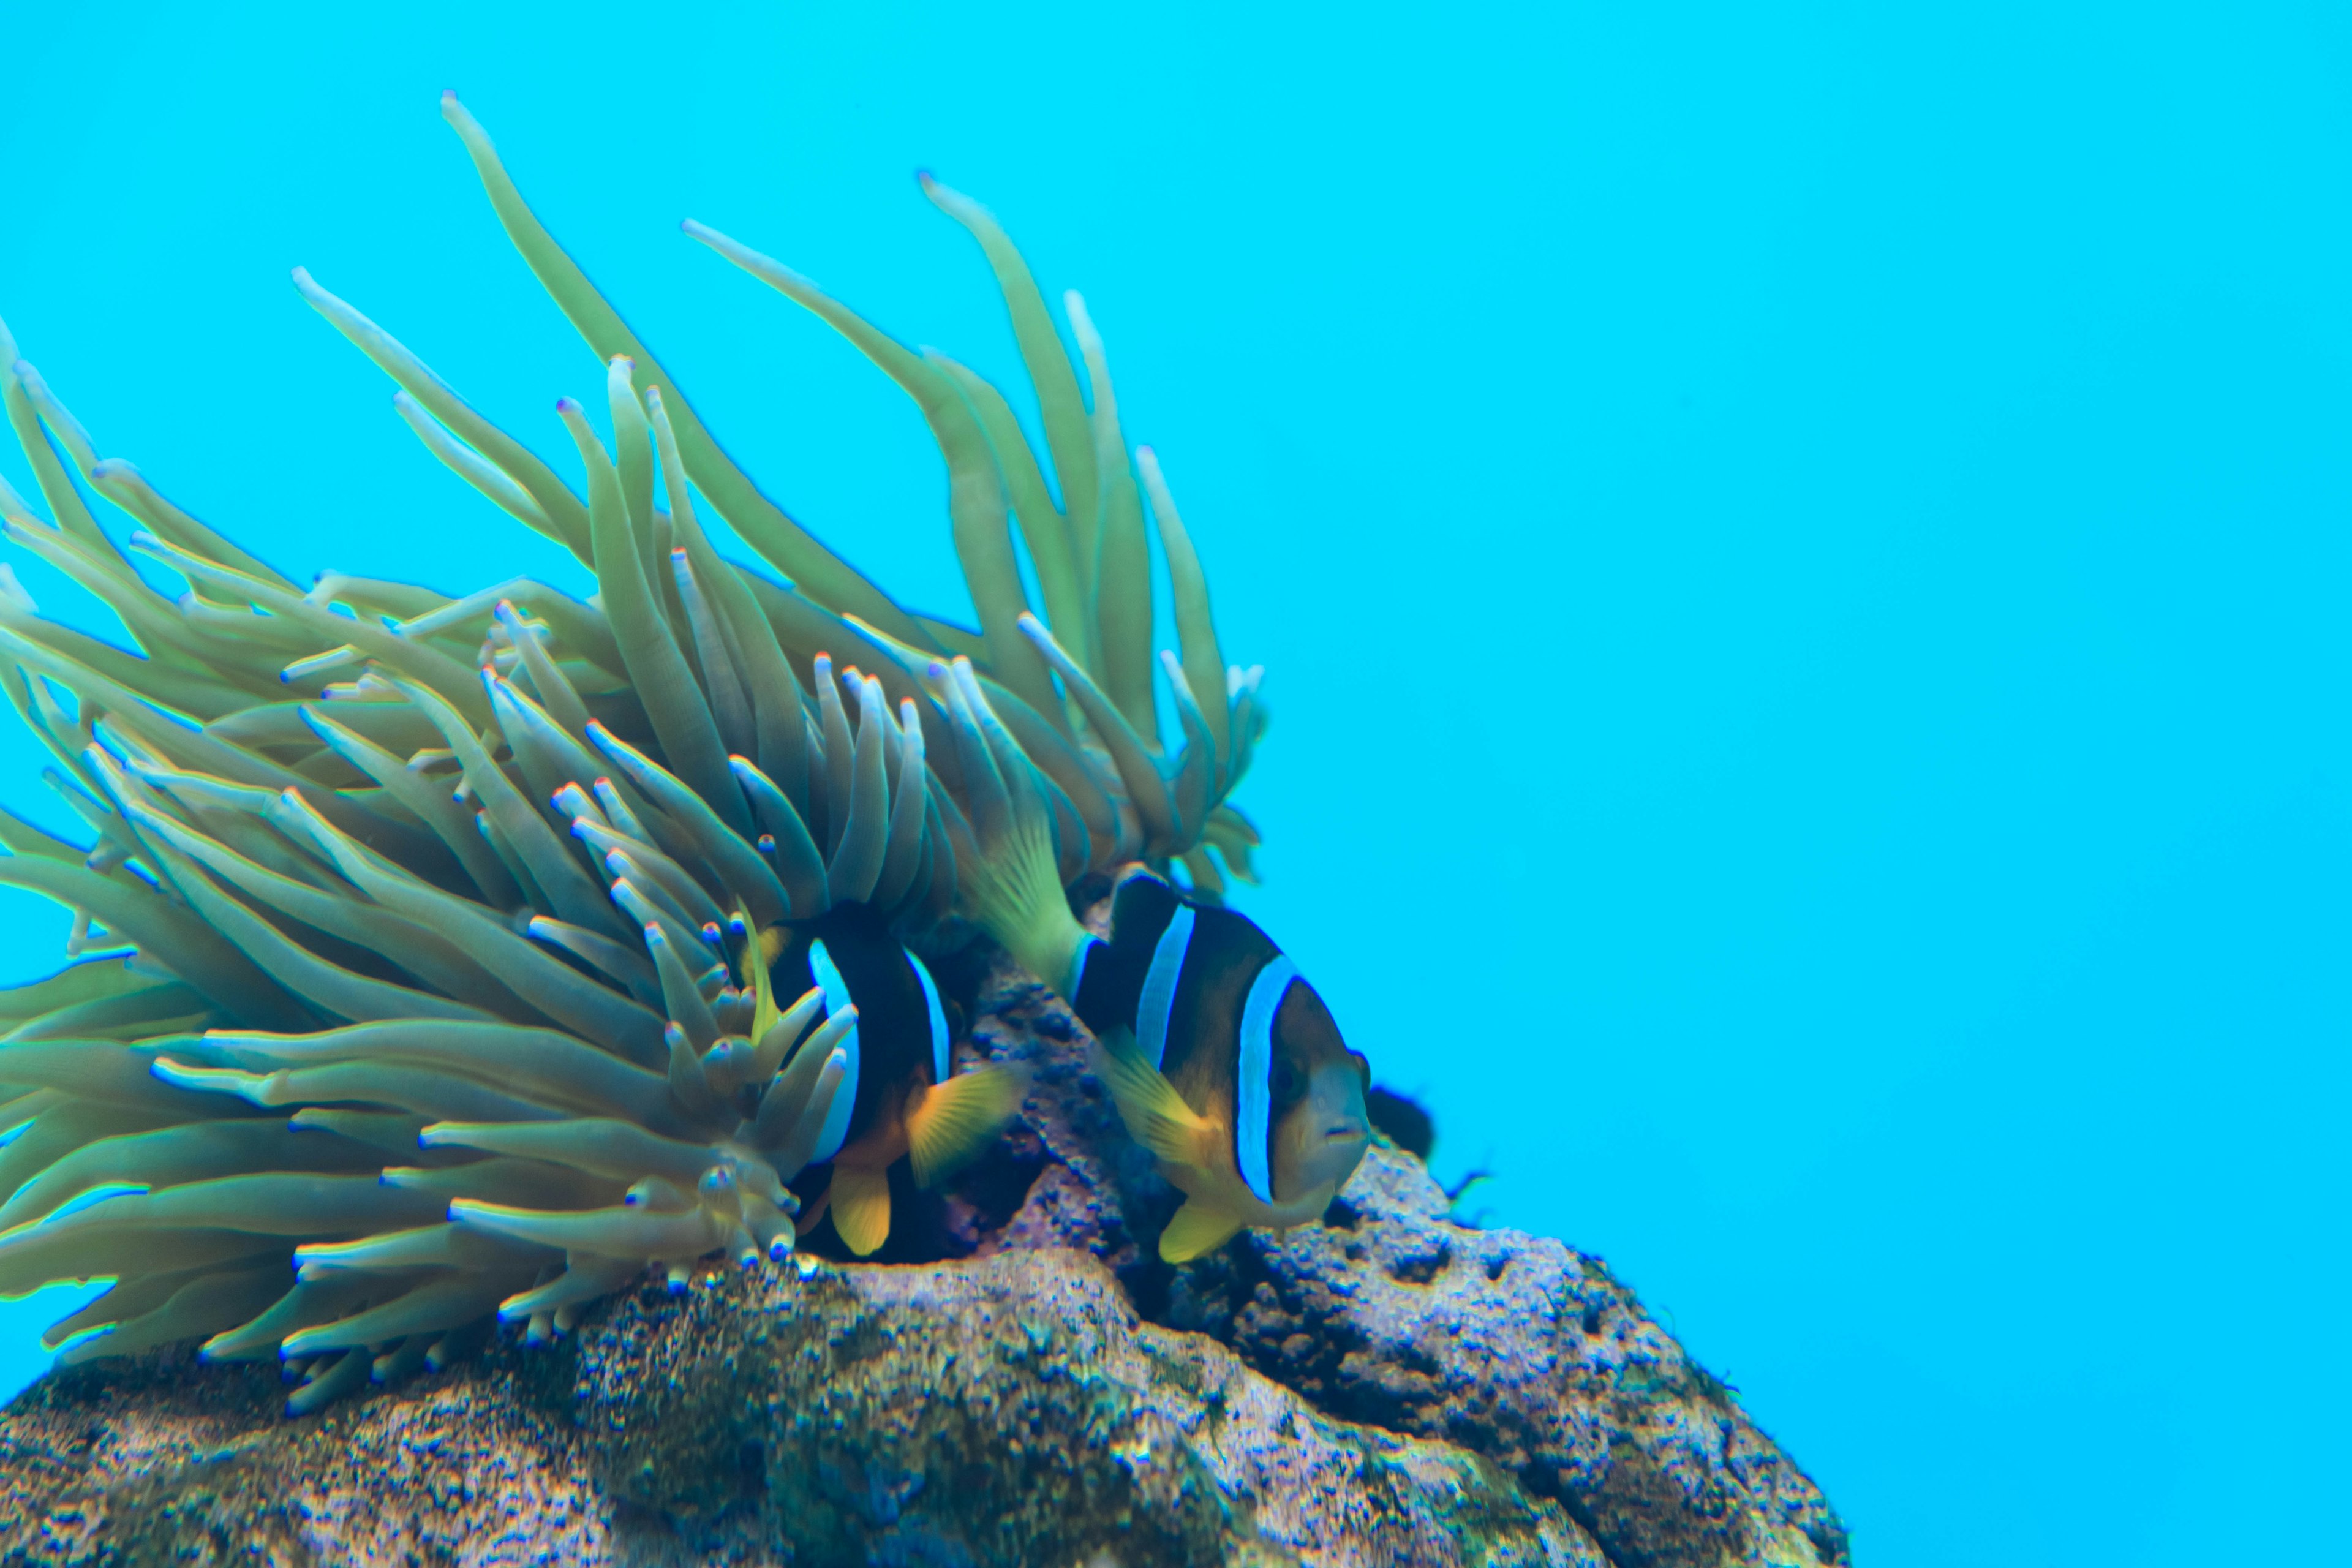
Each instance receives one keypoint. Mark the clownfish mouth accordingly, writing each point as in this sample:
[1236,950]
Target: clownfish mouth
[1346,1133]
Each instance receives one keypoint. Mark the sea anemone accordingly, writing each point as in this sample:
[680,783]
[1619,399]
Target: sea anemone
[422,945]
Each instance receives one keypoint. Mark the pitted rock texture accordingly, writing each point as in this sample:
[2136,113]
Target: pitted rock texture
[156,1459]
[1518,1349]
[1515,1347]
[1011,1410]
[1066,1174]
[1006,1411]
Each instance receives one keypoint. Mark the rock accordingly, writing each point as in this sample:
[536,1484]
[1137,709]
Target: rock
[1514,1347]
[156,1459]
[1072,1176]
[1031,1386]
[1009,1410]
[1518,1349]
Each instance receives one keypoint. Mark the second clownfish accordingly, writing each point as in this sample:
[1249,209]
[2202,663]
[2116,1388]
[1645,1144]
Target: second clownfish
[1224,1062]
[897,1097]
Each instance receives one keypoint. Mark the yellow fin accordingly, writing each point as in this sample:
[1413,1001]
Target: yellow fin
[1197,1229]
[955,1119]
[765,949]
[1155,1114]
[861,1208]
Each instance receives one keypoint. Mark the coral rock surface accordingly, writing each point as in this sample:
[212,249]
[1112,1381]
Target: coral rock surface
[1011,1410]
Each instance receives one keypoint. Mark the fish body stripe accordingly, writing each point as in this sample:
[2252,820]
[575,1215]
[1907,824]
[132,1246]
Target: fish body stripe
[1255,1073]
[938,1017]
[1086,949]
[836,996]
[1159,999]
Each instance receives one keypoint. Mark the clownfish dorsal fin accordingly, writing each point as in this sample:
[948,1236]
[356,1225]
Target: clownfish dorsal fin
[1155,1114]
[1197,1229]
[955,1119]
[1142,879]
[861,1208]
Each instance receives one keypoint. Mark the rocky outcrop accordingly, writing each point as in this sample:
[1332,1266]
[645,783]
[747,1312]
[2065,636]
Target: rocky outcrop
[1006,1411]
[1520,1350]
[1390,1388]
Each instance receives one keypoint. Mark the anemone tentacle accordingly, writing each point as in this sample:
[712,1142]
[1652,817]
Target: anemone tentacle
[421,943]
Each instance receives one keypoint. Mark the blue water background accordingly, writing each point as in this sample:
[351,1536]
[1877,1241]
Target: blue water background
[1803,554]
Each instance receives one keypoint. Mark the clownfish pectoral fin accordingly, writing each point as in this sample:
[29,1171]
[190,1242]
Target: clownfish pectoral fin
[954,1120]
[861,1208]
[1155,1114]
[1198,1228]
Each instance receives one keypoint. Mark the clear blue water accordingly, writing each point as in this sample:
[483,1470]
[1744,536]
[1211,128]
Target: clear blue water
[1803,554]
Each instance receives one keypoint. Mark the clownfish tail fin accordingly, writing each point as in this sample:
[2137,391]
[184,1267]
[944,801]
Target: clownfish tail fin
[955,1119]
[861,1207]
[1155,1114]
[1198,1228]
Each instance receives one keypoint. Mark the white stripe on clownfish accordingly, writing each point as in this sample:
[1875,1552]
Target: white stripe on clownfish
[1159,999]
[1086,949]
[836,996]
[941,1061]
[1254,1074]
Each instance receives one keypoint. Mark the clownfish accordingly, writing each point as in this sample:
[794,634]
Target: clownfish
[897,1097]
[1224,1062]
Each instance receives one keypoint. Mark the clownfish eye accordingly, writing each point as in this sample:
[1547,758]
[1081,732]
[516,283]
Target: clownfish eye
[1282,1081]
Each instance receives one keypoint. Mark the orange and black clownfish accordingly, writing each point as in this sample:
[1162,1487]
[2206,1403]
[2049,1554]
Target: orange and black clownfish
[1223,1063]
[897,1097]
